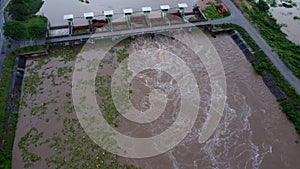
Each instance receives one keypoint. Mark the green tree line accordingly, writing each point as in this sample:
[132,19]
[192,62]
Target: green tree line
[25,24]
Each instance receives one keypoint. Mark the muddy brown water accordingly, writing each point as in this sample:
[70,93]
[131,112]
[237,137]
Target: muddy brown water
[285,16]
[253,131]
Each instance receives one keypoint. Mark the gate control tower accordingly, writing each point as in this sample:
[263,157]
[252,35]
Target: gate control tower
[69,18]
[89,16]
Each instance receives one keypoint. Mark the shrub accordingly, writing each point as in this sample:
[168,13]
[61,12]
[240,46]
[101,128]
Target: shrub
[15,30]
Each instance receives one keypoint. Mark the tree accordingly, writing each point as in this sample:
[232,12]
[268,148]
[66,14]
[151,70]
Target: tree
[21,9]
[18,10]
[15,30]
[5,159]
[37,31]
[262,5]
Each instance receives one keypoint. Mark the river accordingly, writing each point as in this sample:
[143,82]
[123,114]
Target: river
[78,8]
[285,16]
[253,131]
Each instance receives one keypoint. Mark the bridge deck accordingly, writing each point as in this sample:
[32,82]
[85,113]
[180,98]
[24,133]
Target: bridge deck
[128,32]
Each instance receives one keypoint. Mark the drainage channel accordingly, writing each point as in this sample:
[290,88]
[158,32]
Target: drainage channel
[14,94]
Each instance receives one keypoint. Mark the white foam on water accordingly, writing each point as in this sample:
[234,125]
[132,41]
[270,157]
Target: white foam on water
[232,145]
[173,159]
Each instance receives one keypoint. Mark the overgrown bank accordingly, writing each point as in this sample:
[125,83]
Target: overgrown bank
[8,118]
[286,95]
[6,147]
[271,32]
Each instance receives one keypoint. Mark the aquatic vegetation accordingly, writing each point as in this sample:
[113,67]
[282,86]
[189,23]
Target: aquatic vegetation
[72,147]
[296,17]
[103,83]
[31,138]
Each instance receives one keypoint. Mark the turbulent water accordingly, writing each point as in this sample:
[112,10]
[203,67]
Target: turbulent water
[253,132]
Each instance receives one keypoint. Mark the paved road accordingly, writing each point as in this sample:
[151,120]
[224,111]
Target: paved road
[235,18]
[238,19]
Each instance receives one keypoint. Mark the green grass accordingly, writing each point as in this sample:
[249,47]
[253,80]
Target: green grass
[35,20]
[5,154]
[291,104]
[30,49]
[271,32]
[211,13]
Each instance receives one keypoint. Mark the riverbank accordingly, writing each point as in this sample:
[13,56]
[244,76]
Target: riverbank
[6,143]
[285,94]
[271,32]
[9,103]
[287,14]
[248,115]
